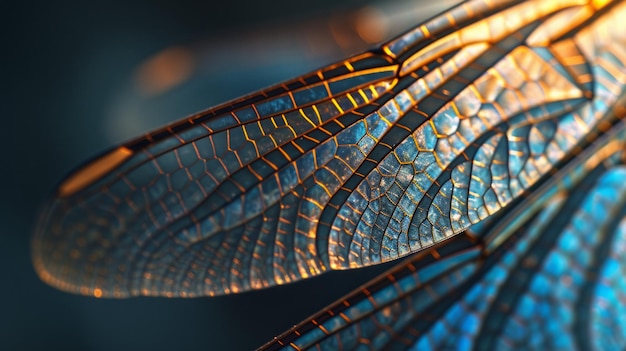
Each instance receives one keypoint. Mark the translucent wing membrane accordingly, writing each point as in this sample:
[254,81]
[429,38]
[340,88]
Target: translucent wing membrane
[554,281]
[366,161]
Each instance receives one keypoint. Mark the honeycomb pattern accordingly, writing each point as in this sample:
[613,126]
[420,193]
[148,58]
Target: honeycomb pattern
[555,284]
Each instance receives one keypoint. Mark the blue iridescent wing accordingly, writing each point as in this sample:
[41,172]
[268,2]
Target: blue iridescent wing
[555,282]
[363,162]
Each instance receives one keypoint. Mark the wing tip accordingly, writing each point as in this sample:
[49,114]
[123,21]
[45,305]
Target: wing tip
[56,263]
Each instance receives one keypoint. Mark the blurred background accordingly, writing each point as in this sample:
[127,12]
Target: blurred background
[79,77]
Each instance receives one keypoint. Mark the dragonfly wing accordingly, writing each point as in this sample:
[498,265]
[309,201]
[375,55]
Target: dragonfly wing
[205,200]
[556,283]
[359,163]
